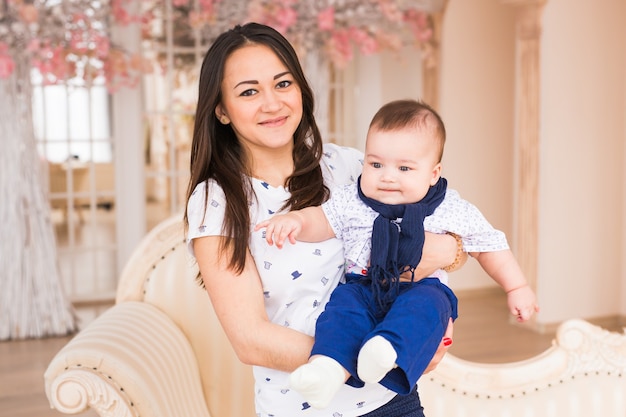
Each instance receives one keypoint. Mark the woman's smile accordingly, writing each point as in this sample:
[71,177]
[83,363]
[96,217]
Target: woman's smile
[276,122]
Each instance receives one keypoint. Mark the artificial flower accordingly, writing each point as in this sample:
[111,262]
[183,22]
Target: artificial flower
[71,39]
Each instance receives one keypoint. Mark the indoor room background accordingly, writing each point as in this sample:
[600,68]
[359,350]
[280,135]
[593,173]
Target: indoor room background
[533,96]
[534,107]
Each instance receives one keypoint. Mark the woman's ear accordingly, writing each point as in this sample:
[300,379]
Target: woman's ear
[221,116]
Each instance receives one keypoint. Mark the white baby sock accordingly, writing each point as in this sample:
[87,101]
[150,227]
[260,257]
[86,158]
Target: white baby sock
[318,381]
[376,358]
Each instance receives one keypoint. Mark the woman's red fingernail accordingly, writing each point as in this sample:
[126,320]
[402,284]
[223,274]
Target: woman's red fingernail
[447,341]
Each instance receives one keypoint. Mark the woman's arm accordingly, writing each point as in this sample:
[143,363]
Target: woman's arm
[238,303]
[440,251]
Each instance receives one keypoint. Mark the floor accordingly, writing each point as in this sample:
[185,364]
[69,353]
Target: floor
[482,334]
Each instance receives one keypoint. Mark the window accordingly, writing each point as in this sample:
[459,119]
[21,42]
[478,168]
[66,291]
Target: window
[72,126]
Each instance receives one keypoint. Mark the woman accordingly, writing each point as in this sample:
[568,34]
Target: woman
[256,150]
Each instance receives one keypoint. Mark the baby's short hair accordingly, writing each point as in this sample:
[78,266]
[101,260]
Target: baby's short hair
[401,114]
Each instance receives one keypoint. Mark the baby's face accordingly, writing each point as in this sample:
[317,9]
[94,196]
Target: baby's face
[400,165]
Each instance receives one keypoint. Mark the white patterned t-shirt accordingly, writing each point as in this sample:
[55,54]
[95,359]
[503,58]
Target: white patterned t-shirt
[297,283]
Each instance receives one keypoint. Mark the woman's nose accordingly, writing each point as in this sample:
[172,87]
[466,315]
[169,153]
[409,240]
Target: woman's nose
[271,102]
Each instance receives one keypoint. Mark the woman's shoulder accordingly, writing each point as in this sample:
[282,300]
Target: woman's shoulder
[205,211]
[206,189]
[341,165]
[207,194]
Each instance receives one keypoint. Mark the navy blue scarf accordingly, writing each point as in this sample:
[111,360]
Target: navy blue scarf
[397,247]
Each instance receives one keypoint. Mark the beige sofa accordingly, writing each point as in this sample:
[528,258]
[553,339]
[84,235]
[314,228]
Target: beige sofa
[160,351]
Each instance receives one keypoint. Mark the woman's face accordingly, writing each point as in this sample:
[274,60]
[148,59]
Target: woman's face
[260,99]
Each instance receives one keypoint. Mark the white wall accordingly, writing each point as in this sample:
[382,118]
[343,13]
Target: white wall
[582,159]
[582,196]
[623,257]
[477,104]
[581,271]
[379,79]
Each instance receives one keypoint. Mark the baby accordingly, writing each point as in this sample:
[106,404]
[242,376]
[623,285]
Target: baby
[382,325]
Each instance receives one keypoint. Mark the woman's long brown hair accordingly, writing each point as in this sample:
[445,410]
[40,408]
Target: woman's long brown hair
[217,154]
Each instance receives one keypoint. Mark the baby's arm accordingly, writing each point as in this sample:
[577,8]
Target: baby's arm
[504,269]
[306,225]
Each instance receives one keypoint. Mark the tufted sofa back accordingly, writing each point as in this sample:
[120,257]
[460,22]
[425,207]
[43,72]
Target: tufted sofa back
[163,273]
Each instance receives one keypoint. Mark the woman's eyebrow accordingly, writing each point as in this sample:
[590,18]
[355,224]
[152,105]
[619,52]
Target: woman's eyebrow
[246,82]
[277,76]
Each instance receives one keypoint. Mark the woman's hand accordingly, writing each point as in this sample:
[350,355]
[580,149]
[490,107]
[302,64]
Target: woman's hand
[445,344]
[440,251]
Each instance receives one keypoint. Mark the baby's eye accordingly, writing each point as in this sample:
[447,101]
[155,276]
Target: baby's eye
[377,165]
[249,92]
[284,84]
[404,168]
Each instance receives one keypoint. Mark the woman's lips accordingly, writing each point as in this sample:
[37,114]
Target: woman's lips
[279,121]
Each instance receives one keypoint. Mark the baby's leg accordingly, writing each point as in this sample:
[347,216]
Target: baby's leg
[409,335]
[339,334]
[376,358]
[319,380]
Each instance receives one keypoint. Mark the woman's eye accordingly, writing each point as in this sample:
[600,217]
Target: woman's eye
[249,92]
[283,84]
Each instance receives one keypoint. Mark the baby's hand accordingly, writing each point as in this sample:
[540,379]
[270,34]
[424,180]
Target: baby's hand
[522,303]
[281,227]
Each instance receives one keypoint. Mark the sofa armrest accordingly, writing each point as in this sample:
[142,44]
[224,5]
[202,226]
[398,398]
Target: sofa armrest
[581,374]
[130,361]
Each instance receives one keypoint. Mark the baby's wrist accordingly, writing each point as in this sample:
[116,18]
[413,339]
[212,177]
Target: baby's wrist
[519,287]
